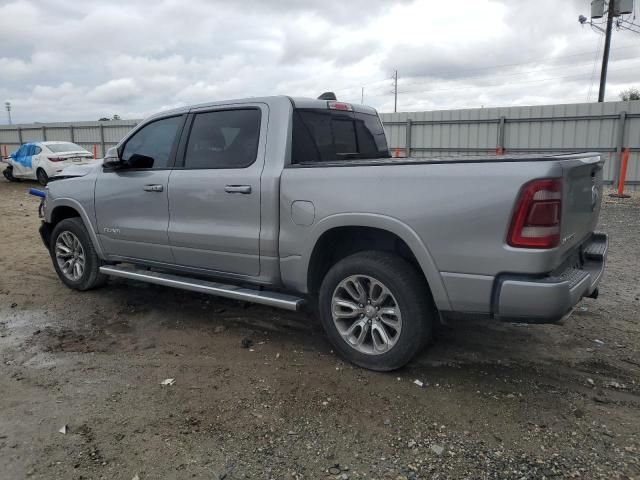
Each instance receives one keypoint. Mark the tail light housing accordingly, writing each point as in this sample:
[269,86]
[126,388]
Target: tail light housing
[56,159]
[536,219]
[340,106]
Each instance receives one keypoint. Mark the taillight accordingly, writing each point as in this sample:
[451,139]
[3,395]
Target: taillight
[536,219]
[56,159]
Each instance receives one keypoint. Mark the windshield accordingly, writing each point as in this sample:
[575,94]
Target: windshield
[321,135]
[65,147]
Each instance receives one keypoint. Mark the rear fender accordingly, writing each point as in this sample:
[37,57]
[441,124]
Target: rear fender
[392,225]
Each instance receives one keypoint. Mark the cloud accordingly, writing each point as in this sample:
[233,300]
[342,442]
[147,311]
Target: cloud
[116,91]
[82,59]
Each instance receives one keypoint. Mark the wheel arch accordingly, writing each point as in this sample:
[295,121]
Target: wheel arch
[333,238]
[64,208]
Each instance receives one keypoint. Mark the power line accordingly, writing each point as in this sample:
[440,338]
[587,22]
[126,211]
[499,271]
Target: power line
[492,67]
[501,84]
[526,72]
[597,12]
[582,75]
[593,69]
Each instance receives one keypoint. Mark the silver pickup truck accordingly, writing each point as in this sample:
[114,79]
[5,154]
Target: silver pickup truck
[286,201]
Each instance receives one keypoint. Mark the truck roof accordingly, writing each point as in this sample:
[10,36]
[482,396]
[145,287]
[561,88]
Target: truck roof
[298,102]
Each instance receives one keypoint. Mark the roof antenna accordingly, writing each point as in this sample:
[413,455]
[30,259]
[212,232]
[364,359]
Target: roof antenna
[328,96]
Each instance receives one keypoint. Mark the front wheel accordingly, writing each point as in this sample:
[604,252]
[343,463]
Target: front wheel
[74,257]
[376,310]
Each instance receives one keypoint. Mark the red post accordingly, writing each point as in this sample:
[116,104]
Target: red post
[5,151]
[623,172]
[499,151]
[623,175]
[95,151]
[397,155]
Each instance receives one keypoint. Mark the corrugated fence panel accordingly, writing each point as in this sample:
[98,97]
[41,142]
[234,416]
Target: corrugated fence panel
[85,134]
[115,132]
[479,131]
[31,135]
[543,128]
[59,134]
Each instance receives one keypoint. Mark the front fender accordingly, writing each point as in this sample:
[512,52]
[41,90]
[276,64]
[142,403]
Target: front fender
[382,222]
[86,220]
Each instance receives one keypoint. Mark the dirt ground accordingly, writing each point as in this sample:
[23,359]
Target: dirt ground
[499,400]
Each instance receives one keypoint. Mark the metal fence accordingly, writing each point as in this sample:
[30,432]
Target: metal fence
[90,135]
[607,128]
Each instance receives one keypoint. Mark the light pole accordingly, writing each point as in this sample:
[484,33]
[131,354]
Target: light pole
[8,106]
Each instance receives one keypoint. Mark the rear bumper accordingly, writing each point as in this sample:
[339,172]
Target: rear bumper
[550,298]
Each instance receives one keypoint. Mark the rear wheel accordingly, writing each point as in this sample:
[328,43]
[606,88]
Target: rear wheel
[376,310]
[74,257]
[42,177]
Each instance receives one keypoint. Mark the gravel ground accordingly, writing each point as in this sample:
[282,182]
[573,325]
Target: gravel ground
[499,400]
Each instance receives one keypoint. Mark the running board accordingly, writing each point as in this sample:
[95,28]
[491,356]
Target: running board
[272,299]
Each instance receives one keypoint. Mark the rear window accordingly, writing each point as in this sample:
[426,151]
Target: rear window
[65,147]
[327,135]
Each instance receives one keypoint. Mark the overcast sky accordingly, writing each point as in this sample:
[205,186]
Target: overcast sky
[84,59]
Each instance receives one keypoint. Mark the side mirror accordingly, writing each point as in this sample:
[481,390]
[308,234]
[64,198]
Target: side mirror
[112,159]
[138,160]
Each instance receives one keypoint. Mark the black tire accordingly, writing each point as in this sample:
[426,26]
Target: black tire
[91,276]
[410,292]
[42,177]
[8,174]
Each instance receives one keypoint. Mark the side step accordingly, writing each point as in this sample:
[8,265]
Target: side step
[273,299]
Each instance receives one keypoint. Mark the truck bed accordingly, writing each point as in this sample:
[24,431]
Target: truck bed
[455,212]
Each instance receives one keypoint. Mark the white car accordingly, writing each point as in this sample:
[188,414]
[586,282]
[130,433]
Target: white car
[41,160]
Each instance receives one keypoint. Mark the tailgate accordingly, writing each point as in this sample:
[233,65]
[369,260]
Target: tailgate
[582,195]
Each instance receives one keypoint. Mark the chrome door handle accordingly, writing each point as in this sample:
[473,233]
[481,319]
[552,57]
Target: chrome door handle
[153,188]
[238,189]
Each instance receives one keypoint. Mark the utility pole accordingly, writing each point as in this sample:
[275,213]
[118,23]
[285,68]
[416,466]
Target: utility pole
[607,47]
[362,97]
[395,92]
[8,106]
[615,9]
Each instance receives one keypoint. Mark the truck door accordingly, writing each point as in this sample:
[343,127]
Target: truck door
[214,191]
[132,210]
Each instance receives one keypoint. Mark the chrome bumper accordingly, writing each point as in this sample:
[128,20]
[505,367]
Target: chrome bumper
[550,298]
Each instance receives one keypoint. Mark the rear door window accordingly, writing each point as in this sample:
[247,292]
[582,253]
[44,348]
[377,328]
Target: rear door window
[223,139]
[321,135]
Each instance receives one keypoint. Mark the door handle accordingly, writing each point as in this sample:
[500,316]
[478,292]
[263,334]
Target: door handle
[153,188]
[238,189]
